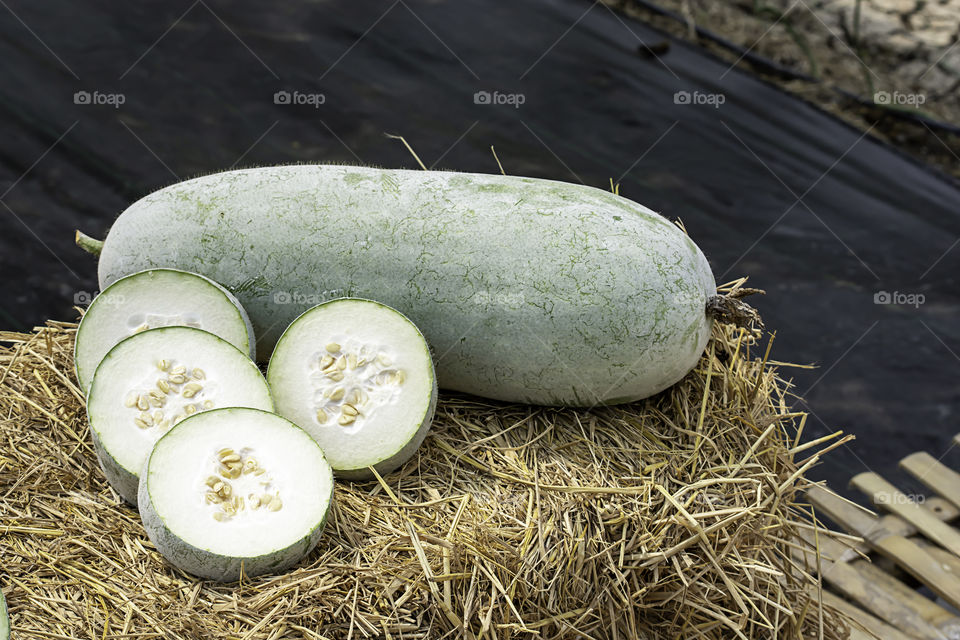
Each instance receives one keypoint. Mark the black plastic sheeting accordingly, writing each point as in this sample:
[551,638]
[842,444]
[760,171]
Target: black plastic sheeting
[822,217]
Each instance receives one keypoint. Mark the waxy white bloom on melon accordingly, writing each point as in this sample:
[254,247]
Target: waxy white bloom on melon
[234,490]
[358,377]
[4,619]
[528,290]
[151,381]
[157,298]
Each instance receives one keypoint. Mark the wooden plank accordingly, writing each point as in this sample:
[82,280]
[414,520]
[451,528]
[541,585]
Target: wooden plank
[885,495]
[889,599]
[942,509]
[935,475]
[939,507]
[949,561]
[922,566]
[876,530]
[873,626]
[831,549]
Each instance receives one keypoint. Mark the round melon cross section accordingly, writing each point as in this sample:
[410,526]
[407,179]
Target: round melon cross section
[357,375]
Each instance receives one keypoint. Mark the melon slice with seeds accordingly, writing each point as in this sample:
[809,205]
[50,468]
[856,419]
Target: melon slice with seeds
[157,298]
[357,376]
[235,491]
[151,381]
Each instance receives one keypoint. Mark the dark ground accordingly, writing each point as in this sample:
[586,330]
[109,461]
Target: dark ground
[816,212]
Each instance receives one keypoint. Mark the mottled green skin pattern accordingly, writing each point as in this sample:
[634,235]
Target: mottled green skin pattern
[121,480]
[214,566]
[527,290]
[4,619]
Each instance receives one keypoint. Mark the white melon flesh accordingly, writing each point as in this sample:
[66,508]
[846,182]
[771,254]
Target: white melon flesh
[235,490]
[358,377]
[157,298]
[150,381]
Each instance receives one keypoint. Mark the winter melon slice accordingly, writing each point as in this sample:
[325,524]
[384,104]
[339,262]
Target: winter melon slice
[154,379]
[357,375]
[157,298]
[4,619]
[235,490]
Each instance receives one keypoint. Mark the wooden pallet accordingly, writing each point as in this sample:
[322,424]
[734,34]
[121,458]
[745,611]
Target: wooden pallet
[873,580]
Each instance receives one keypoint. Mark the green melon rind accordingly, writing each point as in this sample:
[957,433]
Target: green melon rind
[528,290]
[250,347]
[214,566]
[4,619]
[393,462]
[122,480]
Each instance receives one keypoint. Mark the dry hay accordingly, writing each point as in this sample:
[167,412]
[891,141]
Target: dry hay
[672,518]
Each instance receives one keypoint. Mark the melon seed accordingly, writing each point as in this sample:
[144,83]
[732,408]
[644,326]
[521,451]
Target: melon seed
[191,389]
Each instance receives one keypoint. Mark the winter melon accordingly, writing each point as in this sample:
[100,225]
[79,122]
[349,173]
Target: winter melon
[235,490]
[357,376]
[527,290]
[157,298]
[4,619]
[151,381]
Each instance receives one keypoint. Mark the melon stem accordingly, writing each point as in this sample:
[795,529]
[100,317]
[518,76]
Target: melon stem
[88,244]
[730,309]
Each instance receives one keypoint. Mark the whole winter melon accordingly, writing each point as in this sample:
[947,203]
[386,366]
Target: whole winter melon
[526,290]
